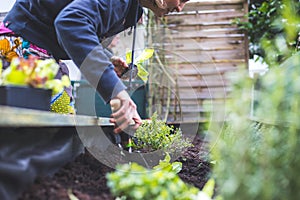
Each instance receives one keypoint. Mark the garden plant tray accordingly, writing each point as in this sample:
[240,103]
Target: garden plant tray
[25,97]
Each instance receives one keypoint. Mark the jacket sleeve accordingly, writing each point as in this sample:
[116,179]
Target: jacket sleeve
[76,27]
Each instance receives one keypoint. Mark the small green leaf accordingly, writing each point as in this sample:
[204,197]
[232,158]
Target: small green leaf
[145,55]
[142,73]
[209,187]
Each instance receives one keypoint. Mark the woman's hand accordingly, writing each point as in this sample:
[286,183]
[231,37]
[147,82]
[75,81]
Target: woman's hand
[126,114]
[120,65]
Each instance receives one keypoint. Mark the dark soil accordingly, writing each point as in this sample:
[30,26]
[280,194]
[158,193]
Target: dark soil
[85,177]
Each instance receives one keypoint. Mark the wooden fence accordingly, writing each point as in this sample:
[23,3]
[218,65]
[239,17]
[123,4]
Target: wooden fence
[196,49]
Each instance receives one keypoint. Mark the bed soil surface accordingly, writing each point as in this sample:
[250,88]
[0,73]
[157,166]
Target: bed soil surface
[85,176]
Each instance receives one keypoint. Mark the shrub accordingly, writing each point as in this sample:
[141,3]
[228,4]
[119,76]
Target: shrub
[273,28]
[257,156]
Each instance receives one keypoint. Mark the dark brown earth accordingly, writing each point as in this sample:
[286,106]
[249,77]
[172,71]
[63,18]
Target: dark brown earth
[85,177]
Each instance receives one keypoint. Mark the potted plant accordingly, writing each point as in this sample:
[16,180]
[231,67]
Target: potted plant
[30,83]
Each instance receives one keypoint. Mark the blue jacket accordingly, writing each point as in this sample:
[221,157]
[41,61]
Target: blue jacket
[74,29]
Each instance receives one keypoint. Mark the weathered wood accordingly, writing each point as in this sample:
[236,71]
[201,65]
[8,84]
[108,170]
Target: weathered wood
[200,46]
[20,117]
[203,43]
[215,2]
[198,6]
[192,18]
[214,69]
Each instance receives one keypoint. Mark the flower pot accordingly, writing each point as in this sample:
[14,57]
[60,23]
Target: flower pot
[25,97]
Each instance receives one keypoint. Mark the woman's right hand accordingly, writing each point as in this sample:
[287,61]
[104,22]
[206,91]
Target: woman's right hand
[127,113]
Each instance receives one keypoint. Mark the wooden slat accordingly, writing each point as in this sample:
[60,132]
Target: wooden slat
[201,43]
[20,117]
[202,34]
[216,16]
[201,7]
[209,56]
[201,31]
[189,117]
[198,95]
[214,2]
[213,69]
[186,108]
[201,83]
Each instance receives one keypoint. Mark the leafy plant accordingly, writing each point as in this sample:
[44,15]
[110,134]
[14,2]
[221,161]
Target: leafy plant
[273,28]
[257,154]
[157,135]
[132,181]
[34,72]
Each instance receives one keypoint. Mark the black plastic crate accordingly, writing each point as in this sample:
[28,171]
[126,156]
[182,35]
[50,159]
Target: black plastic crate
[25,97]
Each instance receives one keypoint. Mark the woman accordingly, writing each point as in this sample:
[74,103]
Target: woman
[75,29]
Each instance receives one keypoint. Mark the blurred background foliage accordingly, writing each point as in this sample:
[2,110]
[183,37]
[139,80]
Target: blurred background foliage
[273,29]
[256,151]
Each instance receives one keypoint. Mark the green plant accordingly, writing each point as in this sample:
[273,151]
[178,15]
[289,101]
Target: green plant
[132,181]
[157,135]
[257,154]
[272,27]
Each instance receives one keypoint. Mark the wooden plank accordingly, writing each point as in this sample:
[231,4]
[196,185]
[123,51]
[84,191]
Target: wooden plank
[202,34]
[185,102]
[200,43]
[188,69]
[234,62]
[215,2]
[21,117]
[203,26]
[204,19]
[204,93]
[213,54]
[209,56]
[197,22]
[198,6]
[208,30]
[204,66]
[201,83]
[197,96]
[189,117]
[207,16]
[204,48]
[185,108]
[203,90]
[240,62]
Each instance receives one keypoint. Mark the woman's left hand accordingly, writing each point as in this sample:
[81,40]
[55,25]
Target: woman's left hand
[120,65]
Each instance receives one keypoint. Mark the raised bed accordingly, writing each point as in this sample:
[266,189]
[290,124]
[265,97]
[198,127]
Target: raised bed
[80,174]
[85,177]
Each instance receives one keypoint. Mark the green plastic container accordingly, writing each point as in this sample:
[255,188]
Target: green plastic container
[89,102]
